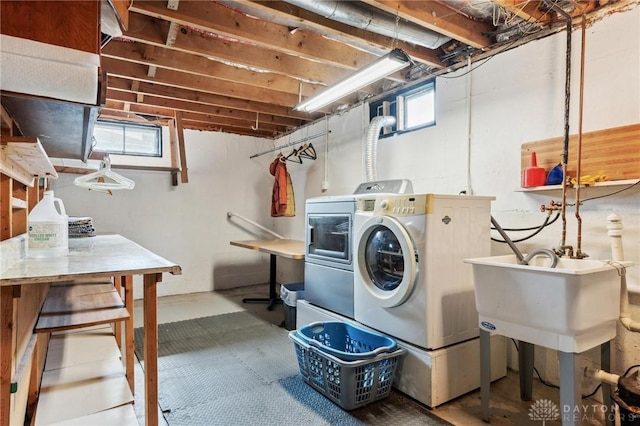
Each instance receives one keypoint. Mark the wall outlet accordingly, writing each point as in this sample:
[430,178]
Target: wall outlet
[325,185]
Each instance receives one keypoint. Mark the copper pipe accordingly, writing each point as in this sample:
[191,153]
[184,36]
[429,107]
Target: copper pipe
[579,253]
[567,98]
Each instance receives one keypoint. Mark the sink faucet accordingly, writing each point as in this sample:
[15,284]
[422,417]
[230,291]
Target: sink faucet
[564,251]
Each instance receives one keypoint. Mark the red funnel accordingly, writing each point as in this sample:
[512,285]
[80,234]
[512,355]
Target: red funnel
[534,175]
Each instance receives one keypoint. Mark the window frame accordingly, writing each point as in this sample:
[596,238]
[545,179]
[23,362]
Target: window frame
[376,108]
[124,125]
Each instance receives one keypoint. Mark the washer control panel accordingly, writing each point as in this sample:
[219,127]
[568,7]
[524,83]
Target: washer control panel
[393,205]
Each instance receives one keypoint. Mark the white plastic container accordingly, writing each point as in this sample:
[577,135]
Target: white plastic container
[48,228]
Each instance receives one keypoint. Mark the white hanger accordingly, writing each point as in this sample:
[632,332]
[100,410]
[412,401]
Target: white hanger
[98,180]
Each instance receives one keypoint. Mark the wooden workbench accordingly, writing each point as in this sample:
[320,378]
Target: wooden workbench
[88,258]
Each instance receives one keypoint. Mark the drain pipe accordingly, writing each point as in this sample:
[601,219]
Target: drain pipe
[371,147]
[602,376]
[614,230]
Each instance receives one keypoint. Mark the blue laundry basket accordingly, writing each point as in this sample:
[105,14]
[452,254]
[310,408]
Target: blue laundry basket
[350,384]
[345,341]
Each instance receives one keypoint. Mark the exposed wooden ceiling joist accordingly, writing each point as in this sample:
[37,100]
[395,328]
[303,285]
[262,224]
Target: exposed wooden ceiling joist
[224,63]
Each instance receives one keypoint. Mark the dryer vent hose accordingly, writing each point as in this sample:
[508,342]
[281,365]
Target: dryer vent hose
[371,147]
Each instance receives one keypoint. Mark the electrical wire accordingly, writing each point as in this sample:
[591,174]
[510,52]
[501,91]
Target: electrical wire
[525,32]
[613,193]
[629,369]
[537,230]
[551,385]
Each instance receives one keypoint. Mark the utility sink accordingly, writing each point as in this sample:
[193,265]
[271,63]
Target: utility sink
[572,307]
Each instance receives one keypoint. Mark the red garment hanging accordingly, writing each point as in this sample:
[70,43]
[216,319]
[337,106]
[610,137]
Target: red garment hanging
[278,168]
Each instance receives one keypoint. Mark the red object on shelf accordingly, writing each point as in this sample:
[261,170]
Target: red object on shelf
[533,175]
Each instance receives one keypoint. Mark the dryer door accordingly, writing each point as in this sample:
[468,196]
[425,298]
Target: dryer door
[387,260]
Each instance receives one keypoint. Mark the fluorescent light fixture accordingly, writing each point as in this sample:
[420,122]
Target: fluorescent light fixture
[380,68]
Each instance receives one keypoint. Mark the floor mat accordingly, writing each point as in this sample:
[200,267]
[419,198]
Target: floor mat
[235,369]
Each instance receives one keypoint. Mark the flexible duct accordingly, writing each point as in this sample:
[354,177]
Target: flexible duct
[354,14]
[371,144]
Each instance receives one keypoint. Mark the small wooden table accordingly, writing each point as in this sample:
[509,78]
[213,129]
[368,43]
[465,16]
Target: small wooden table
[94,257]
[291,249]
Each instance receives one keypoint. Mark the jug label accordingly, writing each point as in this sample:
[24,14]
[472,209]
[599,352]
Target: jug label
[45,235]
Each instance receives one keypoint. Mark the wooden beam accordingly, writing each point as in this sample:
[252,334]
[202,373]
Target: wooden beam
[173,144]
[343,32]
[6,192]
[287,115]
[194,41]
[7,345]
[118,68]
[439,18]
[153,105]
[526,10]
[184,175]
[223,21]
[209,119]
[163,57]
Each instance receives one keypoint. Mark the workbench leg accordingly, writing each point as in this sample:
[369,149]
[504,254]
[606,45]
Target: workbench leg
[117,326]
[6,352]
[485,373]
[151,349]
[570,390]
[127,284]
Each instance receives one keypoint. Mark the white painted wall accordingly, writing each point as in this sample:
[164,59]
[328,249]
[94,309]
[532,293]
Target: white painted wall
[516,97]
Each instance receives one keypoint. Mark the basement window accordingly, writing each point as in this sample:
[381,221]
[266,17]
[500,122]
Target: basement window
[413,108]
[127,139]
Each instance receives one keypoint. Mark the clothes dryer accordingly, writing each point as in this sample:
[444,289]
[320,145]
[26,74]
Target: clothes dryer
[328,267]
[410,281]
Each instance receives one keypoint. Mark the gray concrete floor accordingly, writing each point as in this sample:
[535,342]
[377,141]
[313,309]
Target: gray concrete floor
[506,407]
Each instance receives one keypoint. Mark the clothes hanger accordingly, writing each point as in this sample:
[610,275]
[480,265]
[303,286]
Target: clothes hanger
[293,157]
[104,179]
[308,151]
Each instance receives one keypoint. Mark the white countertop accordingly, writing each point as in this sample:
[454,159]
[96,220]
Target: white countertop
[91,257]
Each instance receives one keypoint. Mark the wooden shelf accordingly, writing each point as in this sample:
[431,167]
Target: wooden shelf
[80,305]
[17,203]
[23,159]
[558,188]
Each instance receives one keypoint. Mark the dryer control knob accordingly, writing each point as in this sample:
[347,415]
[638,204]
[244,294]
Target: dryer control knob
[384,204]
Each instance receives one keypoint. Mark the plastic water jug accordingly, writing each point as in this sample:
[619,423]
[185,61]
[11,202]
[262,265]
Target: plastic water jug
[48,228]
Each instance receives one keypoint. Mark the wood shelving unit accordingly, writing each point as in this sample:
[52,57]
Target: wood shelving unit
[24,159]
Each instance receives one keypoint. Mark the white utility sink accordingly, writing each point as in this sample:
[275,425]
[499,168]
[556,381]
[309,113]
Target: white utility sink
[572,307]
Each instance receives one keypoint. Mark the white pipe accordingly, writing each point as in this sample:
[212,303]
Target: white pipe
[614,230]
[371,147]
[257,225]
[469,74]
[602,376]
[625,315]
[325,181]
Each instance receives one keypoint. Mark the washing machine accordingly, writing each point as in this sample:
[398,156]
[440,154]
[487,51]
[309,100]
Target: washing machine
[410,281]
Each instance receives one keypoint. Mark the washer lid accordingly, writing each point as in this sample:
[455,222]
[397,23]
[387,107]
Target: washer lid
[387,260]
